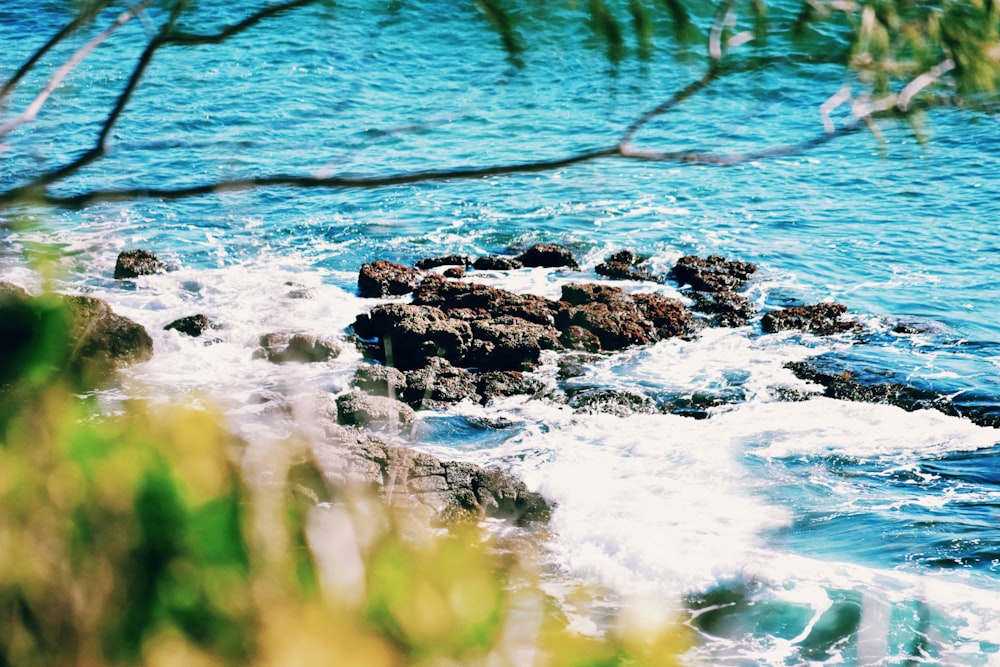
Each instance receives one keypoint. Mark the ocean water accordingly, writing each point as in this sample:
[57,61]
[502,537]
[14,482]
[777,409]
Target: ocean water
[788,533]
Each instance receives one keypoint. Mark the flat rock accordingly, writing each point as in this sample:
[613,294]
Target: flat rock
[821,319]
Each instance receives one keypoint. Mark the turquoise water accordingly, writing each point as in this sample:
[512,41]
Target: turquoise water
[789,530]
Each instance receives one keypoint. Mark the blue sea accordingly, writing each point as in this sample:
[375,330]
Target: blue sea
[786,533]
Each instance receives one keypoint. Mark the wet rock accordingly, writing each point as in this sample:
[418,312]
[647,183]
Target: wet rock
[135,263]
[712,274]
[454,272]
[282,347]
[475,301]
[377,412]
[574,364]
[193,325]
[618,402]
[578,338]
[500,384]
[509,343]
[447,489]
[447,260]
[669,316]
[548,255]
[616,319]
[727,309]
[696,405]
[439,384]
[409,335]
[496,263]
[383,278]
[623,265]
[822,319]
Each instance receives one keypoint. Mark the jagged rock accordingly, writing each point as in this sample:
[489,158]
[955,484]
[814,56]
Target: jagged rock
[623,265]
[695,405]
[712,273]
[380,380]
[508,343]
[475,301]
[382,278]
[616,319]
[193,325]
[283,347]
[669,316]
[409,335]
[439,384]
[134,263]
[548,255]
[821,319]
[445,488]
[612,401]
[496,263]
[378,412]
[447,260]
[727,309]
[454,272]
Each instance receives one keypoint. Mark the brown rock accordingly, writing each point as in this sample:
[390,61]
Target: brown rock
[134,263]
[382,278]
[548,255]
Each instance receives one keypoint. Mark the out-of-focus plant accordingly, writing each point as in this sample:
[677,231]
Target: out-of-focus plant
[135,539]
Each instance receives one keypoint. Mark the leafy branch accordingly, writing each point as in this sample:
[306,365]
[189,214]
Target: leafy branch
[891,41]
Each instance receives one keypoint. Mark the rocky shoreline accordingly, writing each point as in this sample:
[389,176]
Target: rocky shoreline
[456,340]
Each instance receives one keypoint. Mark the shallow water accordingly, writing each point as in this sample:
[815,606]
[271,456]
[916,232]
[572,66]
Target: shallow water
[796,533]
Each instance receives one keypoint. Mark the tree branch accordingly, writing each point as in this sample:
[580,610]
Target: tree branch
[81,19]
[188,39]
[31,112]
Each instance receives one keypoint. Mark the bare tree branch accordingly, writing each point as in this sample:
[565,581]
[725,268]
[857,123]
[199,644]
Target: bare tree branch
[164,37]
[921,82]
[31,112]
[81,19]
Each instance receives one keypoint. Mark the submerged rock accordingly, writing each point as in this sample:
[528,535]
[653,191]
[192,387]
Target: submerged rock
[624,265]
[846,386]
[821,319]
[135,263]
[381,278]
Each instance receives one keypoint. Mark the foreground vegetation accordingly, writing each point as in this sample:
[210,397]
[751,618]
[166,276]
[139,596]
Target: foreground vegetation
[137,539]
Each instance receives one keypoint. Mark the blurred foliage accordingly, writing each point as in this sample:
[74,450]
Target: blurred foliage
[136,539]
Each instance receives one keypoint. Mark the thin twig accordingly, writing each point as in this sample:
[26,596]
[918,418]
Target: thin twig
[921,82]
[188,39]
[36,105]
